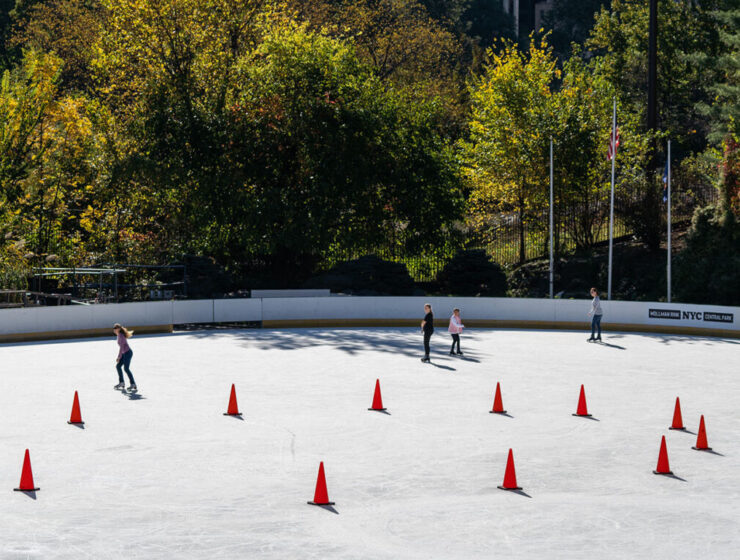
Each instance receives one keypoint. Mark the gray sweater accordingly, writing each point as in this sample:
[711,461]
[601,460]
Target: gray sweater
[596,306]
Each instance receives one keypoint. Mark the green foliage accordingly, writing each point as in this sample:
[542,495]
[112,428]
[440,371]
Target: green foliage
[708,269]
[688,42]
[368,275]
[510,125]
[472,273]
[279,137]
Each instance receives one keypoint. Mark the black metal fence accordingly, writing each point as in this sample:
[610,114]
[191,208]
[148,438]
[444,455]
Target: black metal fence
[503,238]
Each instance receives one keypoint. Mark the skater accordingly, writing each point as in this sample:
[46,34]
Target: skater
[596,314]
[455,329]
[427,327]
[124,356]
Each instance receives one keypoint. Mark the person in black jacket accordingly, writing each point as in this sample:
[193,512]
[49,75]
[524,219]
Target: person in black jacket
[427,327]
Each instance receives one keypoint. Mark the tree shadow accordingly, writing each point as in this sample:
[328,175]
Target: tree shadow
[394,340]
[706,340]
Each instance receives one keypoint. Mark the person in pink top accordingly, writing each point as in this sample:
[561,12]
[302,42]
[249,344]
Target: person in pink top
[123,361]
[455,329]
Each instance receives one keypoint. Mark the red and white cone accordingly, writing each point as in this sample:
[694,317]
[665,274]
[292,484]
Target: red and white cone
[663,466]
[582,409]
[701,437]
[510,474]
[498,403]
[677,420]
[377,398]
[320,495]
[26,484]
[233,409]
[76,416]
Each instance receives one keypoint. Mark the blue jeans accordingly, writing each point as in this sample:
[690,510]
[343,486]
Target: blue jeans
[596,324]
[124,363]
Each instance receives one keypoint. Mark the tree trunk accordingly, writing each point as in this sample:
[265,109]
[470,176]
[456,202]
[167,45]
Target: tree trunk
[522,253]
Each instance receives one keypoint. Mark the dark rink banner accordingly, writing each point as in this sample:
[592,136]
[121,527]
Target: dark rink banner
[683,315]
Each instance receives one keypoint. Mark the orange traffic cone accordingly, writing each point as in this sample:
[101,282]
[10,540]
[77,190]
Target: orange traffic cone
[377,399]
[663,466]
[677,420]
[582,410]
[701,437]
[498,403]
[75,417]
[26,484]
[233,408]
[510,474]
[321,496]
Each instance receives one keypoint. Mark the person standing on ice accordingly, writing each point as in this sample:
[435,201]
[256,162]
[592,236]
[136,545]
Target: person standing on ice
[124,356]
[427,328]
[596,314]
[455,329]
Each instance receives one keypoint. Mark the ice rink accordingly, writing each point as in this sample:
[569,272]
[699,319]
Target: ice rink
[169,476]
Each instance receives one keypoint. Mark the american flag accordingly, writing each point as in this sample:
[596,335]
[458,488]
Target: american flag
[612,145]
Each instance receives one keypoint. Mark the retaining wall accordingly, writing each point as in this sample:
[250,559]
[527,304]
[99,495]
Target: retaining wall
[97,320]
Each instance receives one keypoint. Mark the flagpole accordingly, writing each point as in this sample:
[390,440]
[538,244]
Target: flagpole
[611,202]
[551,228]
[668,272]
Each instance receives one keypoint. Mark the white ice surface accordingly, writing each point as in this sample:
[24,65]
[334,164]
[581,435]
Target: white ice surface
[168,476]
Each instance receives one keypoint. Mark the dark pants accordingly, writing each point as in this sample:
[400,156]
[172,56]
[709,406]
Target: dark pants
[124,363]
[596,324]
[427,336]
[455,340]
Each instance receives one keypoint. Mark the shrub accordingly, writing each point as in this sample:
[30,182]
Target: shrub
[368,275]
[708,269]
[472,273]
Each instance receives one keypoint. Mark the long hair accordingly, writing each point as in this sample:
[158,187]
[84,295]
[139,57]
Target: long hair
[127,333]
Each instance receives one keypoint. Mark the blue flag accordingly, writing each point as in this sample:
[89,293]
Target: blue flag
[665,182]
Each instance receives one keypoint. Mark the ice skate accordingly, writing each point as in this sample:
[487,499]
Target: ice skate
[132,388]
[119,387]
[425,359]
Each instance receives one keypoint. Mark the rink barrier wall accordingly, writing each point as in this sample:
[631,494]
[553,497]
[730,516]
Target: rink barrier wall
[73,321]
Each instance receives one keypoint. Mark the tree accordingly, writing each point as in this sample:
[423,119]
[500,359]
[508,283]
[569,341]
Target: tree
[332,158]
[582,110]
[724,111]
[510,126]
[260,138]
[402,43]
[571,21]
[67,28]
[688,44]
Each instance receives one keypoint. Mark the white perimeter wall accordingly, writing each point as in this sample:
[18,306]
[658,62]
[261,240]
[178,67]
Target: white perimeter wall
[338,308]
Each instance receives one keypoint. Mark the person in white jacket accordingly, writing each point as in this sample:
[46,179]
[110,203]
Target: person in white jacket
[455,329]
[596,314]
